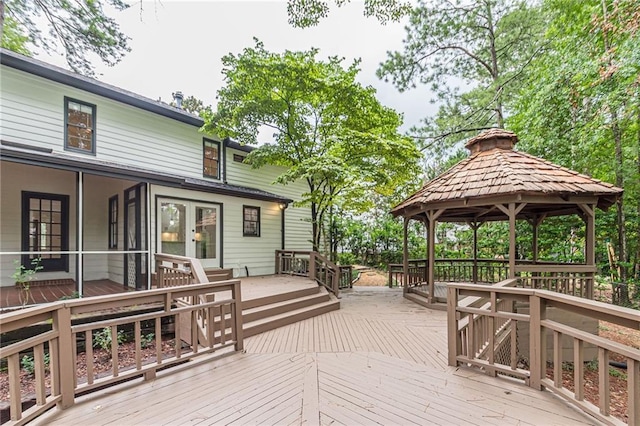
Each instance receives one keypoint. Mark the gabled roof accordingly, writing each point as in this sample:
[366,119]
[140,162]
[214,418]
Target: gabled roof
[494,169]
[69,78]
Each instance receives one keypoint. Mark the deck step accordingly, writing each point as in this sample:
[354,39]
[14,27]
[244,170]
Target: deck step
[421,299]
[272,322]
[281,297]
[264,311]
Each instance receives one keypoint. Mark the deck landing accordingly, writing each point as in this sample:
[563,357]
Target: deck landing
[378,360]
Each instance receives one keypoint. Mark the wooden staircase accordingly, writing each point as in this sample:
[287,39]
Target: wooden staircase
[266,313]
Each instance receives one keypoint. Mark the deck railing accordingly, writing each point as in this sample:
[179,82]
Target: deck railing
[173,270]
[417,273]
[75,324]
[315,266]
[483,332]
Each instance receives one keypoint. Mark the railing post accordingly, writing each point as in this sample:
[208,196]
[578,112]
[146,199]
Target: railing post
[453,339]
[66,370]
[236,313]
[537,341]
[312,265]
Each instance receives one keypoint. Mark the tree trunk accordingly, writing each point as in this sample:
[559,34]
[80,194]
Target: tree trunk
[495,72]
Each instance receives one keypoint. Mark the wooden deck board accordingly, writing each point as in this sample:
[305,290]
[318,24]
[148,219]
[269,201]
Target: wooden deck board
[380,360]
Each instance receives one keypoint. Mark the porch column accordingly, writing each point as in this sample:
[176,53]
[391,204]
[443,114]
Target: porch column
[148,232]
[79,229]
[405,256]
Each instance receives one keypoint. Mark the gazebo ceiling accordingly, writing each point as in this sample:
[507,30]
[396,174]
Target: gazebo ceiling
[496,174]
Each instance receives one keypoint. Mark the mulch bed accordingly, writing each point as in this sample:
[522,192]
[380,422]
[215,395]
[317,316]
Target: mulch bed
[102,366]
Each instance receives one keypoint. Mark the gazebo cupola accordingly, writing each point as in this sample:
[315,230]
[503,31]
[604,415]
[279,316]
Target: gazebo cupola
[492,139]
[498,183]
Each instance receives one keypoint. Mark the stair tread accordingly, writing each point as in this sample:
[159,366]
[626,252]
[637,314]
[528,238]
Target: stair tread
[332,301]
[321,294]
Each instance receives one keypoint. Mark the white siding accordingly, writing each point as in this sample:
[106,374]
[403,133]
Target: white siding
[15,178]
[297,219]
[32,111]
[254,253]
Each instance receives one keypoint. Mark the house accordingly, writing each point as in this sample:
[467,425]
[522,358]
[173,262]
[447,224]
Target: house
[96,179]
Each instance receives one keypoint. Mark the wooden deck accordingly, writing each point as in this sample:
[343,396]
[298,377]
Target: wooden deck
[381,359]
[252,288]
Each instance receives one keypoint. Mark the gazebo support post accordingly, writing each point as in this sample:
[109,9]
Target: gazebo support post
[534,243]
[475,226]
[589,240]
[432,216]
[405,256]
[512,212]
[512,240]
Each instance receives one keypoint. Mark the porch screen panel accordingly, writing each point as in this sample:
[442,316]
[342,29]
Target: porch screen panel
[45,229]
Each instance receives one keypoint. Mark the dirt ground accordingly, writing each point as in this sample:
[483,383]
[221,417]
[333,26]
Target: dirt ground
[371,277]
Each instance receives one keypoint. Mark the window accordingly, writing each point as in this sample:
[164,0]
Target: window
[113,222]
[45,227]
[80,126]
[251,221]
[210,158]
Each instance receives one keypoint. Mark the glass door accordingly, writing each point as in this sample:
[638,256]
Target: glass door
[189,228]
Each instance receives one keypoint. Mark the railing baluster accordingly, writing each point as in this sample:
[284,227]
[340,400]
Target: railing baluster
[15,399]
[88,354]
[603,381]
[39,370]
[578,368]
[633,389]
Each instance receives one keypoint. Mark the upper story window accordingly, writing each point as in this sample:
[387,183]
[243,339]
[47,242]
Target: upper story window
[80,126]
[251,221]
[211,158]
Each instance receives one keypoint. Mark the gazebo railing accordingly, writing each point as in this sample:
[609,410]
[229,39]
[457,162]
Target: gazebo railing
[417,273]
[575,280]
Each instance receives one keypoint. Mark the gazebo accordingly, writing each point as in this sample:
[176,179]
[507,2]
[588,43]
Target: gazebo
[497,183]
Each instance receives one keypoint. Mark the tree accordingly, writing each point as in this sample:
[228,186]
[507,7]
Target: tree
[484,45]
[328,130]
[307,13]
[580,106]
[79,27]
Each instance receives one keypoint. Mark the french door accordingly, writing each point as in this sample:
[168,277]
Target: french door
[189,228]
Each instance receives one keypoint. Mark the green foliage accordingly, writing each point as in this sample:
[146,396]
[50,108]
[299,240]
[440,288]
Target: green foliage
[307,13]
[28,364]
[78,28]
[482,46]
[22,275]
[13,39]
[73,295]
[579,106]
[146,340]
[103,338]
[328,130]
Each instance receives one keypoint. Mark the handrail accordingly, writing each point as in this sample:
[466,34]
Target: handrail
[315,266]
[58,345]
[486,336]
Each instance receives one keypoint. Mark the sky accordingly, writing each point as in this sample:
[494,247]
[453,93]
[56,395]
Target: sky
[178,45]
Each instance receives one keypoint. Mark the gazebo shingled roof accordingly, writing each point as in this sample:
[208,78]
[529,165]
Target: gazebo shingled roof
[494,171]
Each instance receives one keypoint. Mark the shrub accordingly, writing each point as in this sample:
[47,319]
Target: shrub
[102,339]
